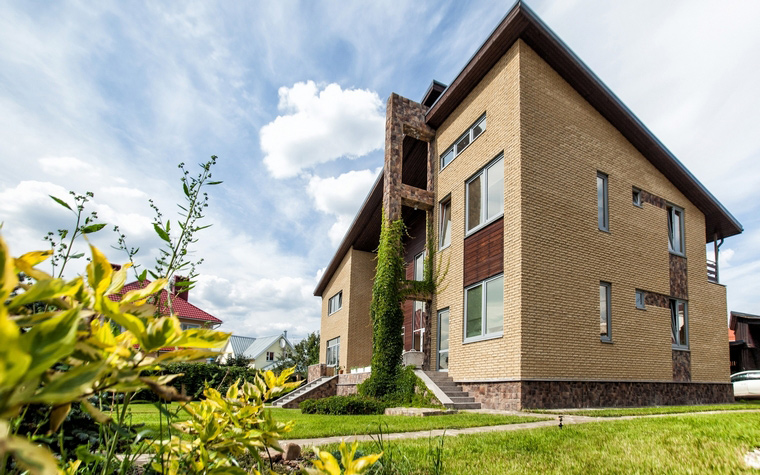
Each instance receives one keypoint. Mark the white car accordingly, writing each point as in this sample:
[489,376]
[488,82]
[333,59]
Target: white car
[746,384]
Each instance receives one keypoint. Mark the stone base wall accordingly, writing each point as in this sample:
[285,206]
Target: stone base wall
[515,395]
[316,371]
[326,389]
[347,383]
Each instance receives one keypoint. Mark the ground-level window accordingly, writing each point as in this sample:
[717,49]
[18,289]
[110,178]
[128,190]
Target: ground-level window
[335,303]
[333,352]
[418,325]
[444,233]
[675,230]
[485,195]
[187,326]
[604,311]
[270,355]
[484,308]
[679,324]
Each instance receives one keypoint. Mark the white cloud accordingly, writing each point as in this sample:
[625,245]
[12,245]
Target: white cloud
[341,196]
[61,165]
[321,126]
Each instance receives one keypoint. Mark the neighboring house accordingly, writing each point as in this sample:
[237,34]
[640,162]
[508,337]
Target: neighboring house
[188,314]
[263,351]
[743,340]
[575,242]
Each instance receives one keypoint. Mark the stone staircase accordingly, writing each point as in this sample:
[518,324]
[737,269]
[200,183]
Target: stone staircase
[305,392]
[457,399]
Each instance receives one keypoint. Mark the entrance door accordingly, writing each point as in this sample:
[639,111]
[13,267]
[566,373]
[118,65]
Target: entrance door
[443,340]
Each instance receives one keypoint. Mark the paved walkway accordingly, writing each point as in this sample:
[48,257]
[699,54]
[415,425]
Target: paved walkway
[567,419]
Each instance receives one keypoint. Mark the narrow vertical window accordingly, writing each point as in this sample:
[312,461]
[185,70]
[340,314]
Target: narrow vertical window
[444,233]
[641,300]
[602,201]
[675,230]
[679,324]
[419,266]
[636,196]
[418,325]
[604,312]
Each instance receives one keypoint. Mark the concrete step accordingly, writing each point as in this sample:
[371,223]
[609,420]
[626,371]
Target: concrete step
[462,399]
[465,405]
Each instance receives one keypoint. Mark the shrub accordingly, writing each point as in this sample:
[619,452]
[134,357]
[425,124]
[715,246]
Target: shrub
[343,405]
[410,391]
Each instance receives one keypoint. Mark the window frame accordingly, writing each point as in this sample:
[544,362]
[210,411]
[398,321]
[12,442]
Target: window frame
[188,326]
[446,202]
[468,133]
[336,350]
[643,302]
[421,329]
[438,339]
[419,267]
[603,219]
[672,210]
[330,309]
[268,354]
[483,312]
[636,197]
[606,338]
[675,335]
[485,220]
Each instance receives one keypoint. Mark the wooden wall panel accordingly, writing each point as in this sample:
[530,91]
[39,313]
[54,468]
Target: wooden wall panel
[484,253]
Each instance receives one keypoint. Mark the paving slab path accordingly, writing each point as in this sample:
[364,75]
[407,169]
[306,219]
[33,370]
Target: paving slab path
[567,419]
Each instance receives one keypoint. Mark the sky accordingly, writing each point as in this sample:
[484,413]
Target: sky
[110,97]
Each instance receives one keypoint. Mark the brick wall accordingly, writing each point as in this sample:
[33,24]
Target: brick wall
[359,341]
[336,325]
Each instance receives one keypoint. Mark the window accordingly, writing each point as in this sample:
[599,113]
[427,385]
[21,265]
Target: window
[485,195]
[418,325]
[604,311]
[675,230]
[335,303]
[463,141]
[641,299]
[636,193]
[444,233]
[333,352]
[419,266]
[602,201]
[679,324]
[187,326]
[484,309]
[270,355]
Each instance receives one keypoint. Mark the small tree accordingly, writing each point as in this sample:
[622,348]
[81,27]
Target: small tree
[301,356]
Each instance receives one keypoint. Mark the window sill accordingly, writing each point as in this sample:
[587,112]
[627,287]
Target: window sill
[680,348]
[607,341]
[679,254]
[606,231]
[475,339]
[444,247]
[483,225]
[641,308]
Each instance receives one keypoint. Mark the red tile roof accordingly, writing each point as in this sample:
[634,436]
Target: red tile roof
[731,335]
[182,308]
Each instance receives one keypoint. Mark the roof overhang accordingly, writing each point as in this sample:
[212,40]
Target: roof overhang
[522,23]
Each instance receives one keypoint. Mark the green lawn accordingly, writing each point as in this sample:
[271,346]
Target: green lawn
[314,425]
[692,444]
[644,411]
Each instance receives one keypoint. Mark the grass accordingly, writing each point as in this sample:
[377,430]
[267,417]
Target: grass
[646,411]
[685,444]
[314,425]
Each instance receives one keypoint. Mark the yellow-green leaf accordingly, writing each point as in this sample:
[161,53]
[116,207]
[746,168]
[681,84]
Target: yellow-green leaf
[203,338]
[35,458]
[99,272]
[119,279]
[147,291]
[96,413]
[70,385]
[35,257]
[187,354]
[57,415]
[45,290]
[160,332]
[50,341]
[8,278]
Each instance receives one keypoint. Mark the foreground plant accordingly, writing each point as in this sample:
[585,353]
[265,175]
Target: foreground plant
[63,349]
[327,464]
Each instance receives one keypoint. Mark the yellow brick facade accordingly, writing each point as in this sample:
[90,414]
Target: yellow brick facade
[554,143]
[351,323]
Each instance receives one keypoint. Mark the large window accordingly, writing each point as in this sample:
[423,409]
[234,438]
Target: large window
[605,315]
[679,324]
[444,232]
[463,141]
[484,308]
[335,303]
[485,195]
[675,230]
[602,201]
[333,352]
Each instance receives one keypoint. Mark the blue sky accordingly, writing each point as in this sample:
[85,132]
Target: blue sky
[110,96]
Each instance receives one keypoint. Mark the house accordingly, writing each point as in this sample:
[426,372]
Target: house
[188,314]
[570,243]
[743,338]
[263,351]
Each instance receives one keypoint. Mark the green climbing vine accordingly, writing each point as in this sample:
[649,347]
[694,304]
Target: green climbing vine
[389,291]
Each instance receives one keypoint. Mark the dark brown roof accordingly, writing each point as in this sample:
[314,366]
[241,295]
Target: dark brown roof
[522,23]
